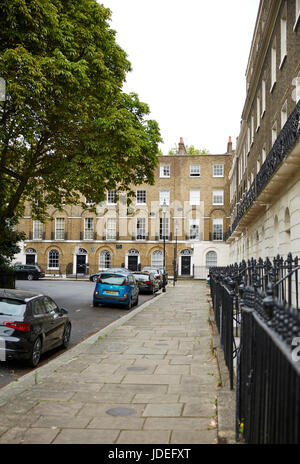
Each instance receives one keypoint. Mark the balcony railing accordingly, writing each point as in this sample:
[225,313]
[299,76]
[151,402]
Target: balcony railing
[284,143]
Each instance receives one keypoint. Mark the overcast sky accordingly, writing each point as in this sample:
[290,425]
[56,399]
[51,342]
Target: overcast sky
[189,61]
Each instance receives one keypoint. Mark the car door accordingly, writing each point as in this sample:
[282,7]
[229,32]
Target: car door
[56,322]
[134,287]
[41,322]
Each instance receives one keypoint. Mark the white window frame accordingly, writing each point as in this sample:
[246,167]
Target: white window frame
[88,232]
[218,229]
[283,114]
[60,231]
[283,40]
[297,17]
[111,197]
[273,65]
[218,170]
[258,112]
[164,195]
[194,229]
[263,98]
[111,228]
[195,170]
[157,259]
[274,133]
[163,228]
[104,259]
[218,197]
[56,267]
[37,230]
[194,197]
[141,197]
[211,259]
[165,170]
[141,228]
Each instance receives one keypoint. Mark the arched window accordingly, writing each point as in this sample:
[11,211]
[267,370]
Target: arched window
[211,259]
[53,259]
[157,260]
[104,259]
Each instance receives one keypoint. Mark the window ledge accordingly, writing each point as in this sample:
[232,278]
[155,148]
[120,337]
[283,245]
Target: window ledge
[262,114]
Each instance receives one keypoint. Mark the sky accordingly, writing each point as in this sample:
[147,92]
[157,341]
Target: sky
[188,61]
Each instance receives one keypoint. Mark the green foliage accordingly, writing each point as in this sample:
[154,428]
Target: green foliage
[190,150]
[66,127]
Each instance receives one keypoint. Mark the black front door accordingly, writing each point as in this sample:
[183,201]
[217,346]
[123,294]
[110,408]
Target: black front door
[30,259]
[81,261]
[133,263]
[185,265]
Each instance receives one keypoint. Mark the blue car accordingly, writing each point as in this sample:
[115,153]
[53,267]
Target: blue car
[116,288]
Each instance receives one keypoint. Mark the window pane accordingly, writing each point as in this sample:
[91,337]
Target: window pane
[111,197]
[218,170]
[37,230]
[194,197]
[211,259]
[218,229]
[88,228]
[111,228]
[218,197]
[157,259]
[195,171]
[53,261]
[59,228]
[165,171]
[163,228]
[194,229]
[141,228]
[104,260]
[141,196]
[164,195]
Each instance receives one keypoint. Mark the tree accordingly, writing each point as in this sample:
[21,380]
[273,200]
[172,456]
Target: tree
[66,128]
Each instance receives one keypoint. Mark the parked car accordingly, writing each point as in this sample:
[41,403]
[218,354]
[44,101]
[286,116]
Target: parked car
[29,271]
[96,275]
[158,274]
[30,324]
[116,288]
[146,281]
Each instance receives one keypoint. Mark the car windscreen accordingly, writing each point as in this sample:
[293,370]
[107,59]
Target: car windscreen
[142,277]
[112,280]
[11,307]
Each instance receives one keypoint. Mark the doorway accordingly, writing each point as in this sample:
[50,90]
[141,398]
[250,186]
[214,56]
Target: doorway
[185,265]
[81,264]
[133,263]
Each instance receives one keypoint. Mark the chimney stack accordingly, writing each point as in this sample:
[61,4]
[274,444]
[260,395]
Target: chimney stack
[181,147]
[229,146]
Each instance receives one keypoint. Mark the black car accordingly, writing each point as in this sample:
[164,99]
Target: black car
[30,324]
[28,271]
[147,282]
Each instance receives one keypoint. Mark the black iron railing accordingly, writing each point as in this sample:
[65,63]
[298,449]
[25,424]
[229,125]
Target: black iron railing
[264,311]
[284,143]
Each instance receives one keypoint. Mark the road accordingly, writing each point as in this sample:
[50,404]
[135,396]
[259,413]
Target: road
[76,297]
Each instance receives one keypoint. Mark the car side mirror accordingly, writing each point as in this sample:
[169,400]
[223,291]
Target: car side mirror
[63,311]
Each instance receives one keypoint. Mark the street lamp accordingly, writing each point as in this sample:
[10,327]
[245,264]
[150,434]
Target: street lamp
[175,254]
[164,211]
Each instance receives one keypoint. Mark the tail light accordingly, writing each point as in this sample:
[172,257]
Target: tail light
[39,270]
[125,295]
[21,326]
[96,293]
[98,279]
[148,282]
[126,282]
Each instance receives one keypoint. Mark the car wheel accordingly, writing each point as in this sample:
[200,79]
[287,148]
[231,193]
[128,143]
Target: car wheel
[95,304]
[136,301]
[129,305]
[35,353]
[66,336]
[30,277]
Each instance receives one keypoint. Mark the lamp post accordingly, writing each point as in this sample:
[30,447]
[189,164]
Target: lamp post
[164,211]
[175,254]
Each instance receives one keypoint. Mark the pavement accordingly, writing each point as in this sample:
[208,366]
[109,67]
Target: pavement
[155,376]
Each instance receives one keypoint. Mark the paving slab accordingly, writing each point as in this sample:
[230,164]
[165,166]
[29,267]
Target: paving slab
[149,378]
